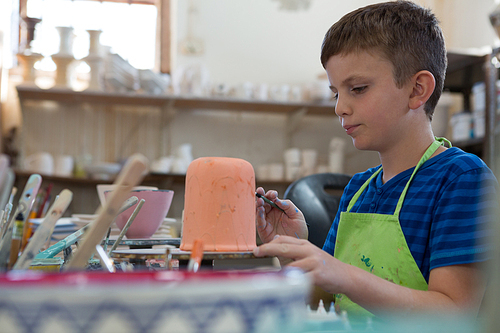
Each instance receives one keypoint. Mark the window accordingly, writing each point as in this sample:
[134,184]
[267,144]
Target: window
[128,29]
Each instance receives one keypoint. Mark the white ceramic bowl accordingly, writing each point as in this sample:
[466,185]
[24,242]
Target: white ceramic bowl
[164,301]
[103,170]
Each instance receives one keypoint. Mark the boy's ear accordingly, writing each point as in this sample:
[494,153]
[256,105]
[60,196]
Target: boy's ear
[423,84]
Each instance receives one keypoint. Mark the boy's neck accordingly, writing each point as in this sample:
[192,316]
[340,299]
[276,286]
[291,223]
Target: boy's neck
[405,155]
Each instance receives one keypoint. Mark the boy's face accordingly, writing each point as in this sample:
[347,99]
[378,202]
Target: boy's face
[371,108]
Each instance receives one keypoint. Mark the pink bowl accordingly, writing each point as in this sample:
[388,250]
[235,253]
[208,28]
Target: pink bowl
[150,217]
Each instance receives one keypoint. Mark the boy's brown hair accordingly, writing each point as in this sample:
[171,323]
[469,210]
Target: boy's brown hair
[406,34]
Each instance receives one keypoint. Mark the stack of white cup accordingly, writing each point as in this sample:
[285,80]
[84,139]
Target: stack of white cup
[40,162]
[309,160]
[292,157]
[336,156]
[63,166]
[183,157]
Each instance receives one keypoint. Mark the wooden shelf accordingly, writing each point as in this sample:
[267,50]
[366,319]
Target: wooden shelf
[150,178]
[474,146]
[76,97]
[91,181]
[463,71]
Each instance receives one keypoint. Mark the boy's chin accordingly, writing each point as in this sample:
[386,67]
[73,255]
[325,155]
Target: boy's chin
[361,144]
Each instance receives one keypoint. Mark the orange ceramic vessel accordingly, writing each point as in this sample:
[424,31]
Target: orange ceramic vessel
[219,205]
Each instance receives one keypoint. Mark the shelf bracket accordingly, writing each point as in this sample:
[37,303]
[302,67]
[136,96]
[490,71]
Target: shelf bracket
[292,123]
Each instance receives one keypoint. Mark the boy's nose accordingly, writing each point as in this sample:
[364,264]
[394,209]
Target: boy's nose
[341,108]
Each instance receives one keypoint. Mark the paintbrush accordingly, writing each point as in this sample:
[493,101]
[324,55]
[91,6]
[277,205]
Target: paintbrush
[45,230]
[258,195]
[127,225]
[106,261]
[129,203]
[6,184]
[23,206]
[8,210]
[15,243]
[196,256]
[62,244]
[74,237]
[44,201]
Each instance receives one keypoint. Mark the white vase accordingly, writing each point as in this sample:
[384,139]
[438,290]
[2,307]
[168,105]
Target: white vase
[66,40]
[28,61]
[94,45]
[64,57]
[63,78]
[96,64]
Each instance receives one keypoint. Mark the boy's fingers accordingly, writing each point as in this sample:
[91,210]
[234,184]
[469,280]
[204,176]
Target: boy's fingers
[289,240]
[271,194]
[261,219]
[283,246]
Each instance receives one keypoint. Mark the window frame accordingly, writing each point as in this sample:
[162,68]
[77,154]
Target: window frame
[164,28]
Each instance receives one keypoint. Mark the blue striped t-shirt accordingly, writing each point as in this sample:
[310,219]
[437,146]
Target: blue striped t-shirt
[446,214]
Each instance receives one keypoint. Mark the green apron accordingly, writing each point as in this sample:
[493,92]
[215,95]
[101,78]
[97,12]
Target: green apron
[375,243]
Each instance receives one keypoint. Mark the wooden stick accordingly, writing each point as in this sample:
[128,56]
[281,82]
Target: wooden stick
[45,229]
[74,237]
[127,225]
[129,203]
[130,176]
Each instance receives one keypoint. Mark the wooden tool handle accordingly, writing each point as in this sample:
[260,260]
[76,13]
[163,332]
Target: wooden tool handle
[127,225]
[130,176]
[45,229]
[196,256]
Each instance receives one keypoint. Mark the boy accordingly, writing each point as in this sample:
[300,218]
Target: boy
[410,234]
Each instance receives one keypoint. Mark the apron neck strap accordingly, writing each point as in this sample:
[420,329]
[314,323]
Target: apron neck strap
[361,189]
[428,153]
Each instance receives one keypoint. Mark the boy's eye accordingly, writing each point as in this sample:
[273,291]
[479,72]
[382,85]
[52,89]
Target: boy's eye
[335,96]
[358,90]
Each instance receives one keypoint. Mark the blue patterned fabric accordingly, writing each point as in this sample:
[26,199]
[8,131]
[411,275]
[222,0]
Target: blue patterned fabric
[447,212]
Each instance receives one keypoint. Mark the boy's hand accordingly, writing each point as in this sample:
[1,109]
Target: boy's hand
[452,289]
[271,221]
[324,270]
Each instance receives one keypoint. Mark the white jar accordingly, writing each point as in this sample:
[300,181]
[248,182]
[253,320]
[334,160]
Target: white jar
[461,126]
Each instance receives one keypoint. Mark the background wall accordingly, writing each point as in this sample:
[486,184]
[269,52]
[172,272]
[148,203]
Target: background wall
[259,42]
[256,41]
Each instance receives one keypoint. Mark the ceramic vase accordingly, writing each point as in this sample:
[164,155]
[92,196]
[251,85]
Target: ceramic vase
[64,57]
[63,76]
[66,40]
[94,45]
[95,61]
[28,60]
[28,27]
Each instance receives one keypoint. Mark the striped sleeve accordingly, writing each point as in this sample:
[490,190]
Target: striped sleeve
[463,218]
